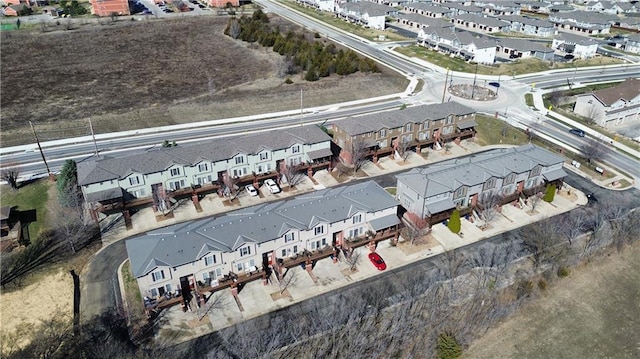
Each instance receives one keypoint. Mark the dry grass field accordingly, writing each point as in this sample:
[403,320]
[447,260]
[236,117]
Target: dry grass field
[592,313]
[151,73]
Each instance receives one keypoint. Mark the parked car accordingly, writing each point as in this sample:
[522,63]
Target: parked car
[591,198]
[577,132]
[252,191]
[272,186]
[377,261]
[494,84]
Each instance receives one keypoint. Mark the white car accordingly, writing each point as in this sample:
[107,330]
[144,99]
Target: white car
[272,186]
[251,190]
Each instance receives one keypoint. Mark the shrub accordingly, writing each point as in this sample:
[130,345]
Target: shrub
[448,347]
[542,284]
[525,287]
[454,222]
[288,81]
[563,272]
[550,193]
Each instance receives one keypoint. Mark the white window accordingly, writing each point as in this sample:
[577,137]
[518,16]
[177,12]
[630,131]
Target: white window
[295,149]
[356,232]
[289,237]
[319,230]
[264,156]
[536,170]
[245,265]
[239,172]
[460,192]
[357,218]
[210,260]
[239,160]
[204,180]
[318,243]
[407,138]
[289,251]
[510,178]
[175,172]
[245,251]
[449,119]
[158,275]
[423,135]
[134,180]
[407,127]
[176,185]
[382,133]
[203,167]
[154,292]
[490,183]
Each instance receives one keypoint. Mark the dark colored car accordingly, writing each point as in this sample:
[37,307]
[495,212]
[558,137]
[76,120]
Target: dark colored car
[377,261]
[494,84]
[577,132]
[568,57]
[591,198]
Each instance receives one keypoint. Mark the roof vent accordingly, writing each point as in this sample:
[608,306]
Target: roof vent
[204,229]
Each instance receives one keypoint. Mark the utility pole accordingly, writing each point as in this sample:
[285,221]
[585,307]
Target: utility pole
[301,108]
[444,90]
[51,178]
[95,145]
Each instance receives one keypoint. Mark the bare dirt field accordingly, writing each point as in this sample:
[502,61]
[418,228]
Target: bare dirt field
[151,73]
[592,313]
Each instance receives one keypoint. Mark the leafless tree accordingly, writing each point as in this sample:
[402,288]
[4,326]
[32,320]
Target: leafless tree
[489,202]
[230,186]
[543,242]
[591,115]
[404,146]
[353,259]
[292,174]
[573,224]
[10,175]
[287,279]
[594,150]
[342,169]
[234,28]
[215,301]
[285,67]
[447,147]
[450,263]
[359,154]
[534,200]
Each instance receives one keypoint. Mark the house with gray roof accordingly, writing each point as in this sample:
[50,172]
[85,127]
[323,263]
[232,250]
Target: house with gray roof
[421,22]
[611,106]
[496,8]
[365,13]
[590,23]
[523,49]
[434,191]
[322,5]
[632,43]
[459,8]
[611,7]
[579,46]
[480,23]
[529,25]
[160,173]
[385,133]
[428,10]
[255,238]
[454,42]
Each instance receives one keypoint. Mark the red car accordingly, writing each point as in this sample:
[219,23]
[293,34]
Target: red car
[377,261]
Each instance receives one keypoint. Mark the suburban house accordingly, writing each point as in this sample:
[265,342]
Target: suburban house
[590,23]
[464,44]
[393,132]
[159,175]
[611,106]
[323,5]
[611,7]
[259,238]
[222,3]
[534,6]
[480,23]
[428,10]
[579,46]
[365,13]
[630,23]
[529,25]
[496,8]
[434,191]
[523,49]
[422,22]
[632,44]
[459,8]
[109,7]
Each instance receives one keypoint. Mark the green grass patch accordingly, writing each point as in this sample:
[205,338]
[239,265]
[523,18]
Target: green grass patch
[391,190]
[135,305]
[518,67]
[528,98]
[31,196]
[329,18]
[493,131]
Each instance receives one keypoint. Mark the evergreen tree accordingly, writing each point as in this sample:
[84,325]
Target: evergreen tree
[454,222]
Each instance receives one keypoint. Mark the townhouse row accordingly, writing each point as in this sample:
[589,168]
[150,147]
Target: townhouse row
[256,242]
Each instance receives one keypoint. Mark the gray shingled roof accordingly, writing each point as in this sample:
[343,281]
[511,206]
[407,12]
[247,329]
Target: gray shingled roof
[488,21]
[523,45]
[526,20]
[368,7]
[425,20]
[429,8]
[159,159]
[184,243]
[447,176]
[398,118]
[576,39]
